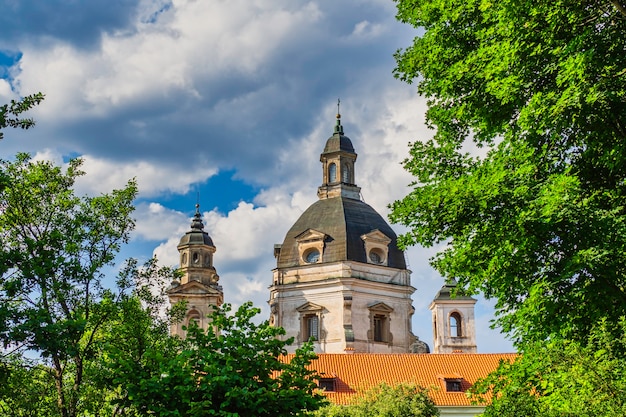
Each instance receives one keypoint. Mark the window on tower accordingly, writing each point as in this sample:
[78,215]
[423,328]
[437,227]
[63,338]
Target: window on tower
[332,173]
[455,325]
[345,174]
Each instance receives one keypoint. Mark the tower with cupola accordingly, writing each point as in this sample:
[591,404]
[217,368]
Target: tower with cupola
[198,285]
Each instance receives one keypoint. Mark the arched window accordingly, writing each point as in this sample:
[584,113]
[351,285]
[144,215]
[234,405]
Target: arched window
[193,316]
[455,325]
[183,259]
[332,173]
[345,174]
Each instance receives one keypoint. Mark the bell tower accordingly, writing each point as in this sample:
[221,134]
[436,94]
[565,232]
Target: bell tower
[453,321]
[199,283]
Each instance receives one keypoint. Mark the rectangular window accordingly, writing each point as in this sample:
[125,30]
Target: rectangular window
[380,324]
[312,327]
[453,385]
[327,384]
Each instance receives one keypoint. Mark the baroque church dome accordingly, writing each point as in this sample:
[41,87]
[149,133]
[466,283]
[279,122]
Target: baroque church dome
[344,221]
[339,215]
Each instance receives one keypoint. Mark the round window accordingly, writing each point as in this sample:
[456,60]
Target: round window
[375,257]
[312,256]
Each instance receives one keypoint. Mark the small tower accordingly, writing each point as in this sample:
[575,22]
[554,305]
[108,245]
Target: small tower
[198,285]
[453,321]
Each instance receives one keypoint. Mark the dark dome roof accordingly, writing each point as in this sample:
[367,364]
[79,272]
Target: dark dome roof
[445,293]
[344,220]
[338,142]
[197,235]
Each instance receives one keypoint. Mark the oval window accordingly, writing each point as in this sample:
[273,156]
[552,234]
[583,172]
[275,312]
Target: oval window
[375,257]
[312,256]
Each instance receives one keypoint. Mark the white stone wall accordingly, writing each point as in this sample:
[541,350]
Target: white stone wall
[444,342]
[345,291]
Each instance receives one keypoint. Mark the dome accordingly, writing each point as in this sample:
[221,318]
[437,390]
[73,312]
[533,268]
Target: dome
[445,293]
[337,143]
[197,235]
[344,221]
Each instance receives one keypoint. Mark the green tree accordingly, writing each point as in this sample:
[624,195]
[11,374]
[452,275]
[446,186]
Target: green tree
[10,113]
[562,378]
[26,388]
[233,369]
[139,327]
[535,216]
[53,248]
[402,400]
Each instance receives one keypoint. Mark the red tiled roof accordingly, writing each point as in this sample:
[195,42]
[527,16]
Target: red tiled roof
[358,372]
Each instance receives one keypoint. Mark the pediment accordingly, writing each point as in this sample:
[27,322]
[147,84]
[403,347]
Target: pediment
[380,307]
[377,236]
[310,235]
[309,307]
[193,287]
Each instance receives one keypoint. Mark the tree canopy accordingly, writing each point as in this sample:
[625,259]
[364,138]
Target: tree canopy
[524,179]
[10,113]
[562,378]
[54,246]
[232,369]
[402,400]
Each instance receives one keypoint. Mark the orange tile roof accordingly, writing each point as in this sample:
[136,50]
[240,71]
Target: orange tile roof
[358,372]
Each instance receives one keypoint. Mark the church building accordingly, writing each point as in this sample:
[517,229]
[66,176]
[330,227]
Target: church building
[342,282]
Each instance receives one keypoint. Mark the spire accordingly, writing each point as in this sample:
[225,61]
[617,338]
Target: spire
[196,223]
[338,127]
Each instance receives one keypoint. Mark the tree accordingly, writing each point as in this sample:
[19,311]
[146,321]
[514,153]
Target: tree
[535,216]
[562,378]
[53,248]
[233,369]
[26,389]
[10,113]
[402,400]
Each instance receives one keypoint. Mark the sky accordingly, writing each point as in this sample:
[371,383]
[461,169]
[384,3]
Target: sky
[228,103]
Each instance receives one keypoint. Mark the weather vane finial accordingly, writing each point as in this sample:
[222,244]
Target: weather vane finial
[338,127]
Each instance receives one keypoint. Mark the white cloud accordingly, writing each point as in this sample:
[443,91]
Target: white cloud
[103,175]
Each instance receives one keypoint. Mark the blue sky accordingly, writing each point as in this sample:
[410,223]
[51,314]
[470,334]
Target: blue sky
[232,101]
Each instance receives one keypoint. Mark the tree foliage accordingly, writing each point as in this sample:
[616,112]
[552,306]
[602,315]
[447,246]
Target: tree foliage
[402,400]
[10,113]
[54,246]
[26,388]
[534,216]
[233,369]
[562,378]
